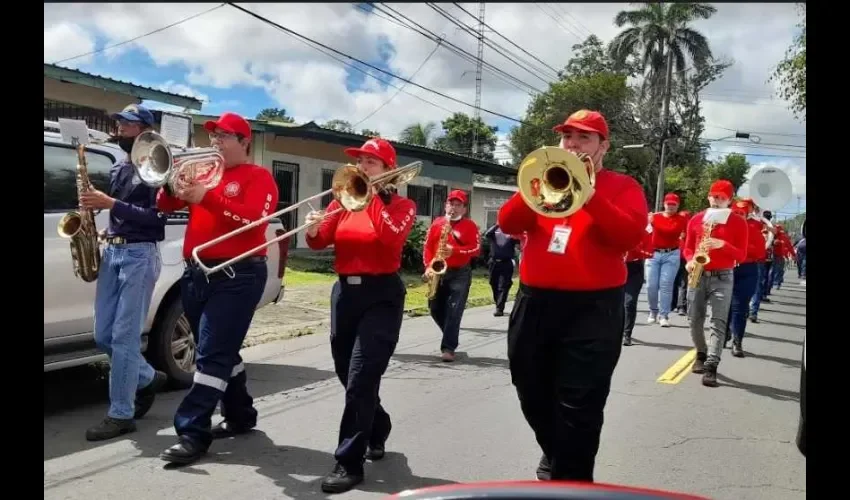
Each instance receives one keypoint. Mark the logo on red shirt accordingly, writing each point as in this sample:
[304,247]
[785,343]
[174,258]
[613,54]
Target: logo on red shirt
[232,189]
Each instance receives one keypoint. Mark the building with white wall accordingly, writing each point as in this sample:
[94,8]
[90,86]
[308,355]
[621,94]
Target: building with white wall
[487,199]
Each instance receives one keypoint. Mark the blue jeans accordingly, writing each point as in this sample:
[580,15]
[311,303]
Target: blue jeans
[661,270]
[746,279]
[219,311]
[759,293]
[777,274]
[125,285]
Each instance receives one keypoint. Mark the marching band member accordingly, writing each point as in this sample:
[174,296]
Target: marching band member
[680,284]
[726,245]
[762,291]
[367,308]
[220,306]
[667,228]
[783,249]
[566,326]
[464,244]
[129,269]
[501,265]
[745,276]
[635,262]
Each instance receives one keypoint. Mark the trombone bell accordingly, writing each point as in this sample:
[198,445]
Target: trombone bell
[555,182]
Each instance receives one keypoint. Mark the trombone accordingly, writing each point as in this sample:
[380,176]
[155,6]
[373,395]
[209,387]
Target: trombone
[350,187]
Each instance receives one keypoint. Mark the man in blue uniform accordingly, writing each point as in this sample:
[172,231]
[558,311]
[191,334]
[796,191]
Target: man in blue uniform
[129,270]
[502,253]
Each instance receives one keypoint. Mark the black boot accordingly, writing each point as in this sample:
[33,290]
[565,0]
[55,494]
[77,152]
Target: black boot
[627,340]
[544,469]
[709,378]
[184,452]
[699,364]
[737,349]
[146,395]
[110,428]
[342,479]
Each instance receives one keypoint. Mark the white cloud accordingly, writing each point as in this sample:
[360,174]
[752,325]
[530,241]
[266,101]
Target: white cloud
[227,47]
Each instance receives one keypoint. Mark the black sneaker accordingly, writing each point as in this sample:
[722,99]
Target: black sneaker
[341,479]
[146,395]
[737,349]
[110,428]
[544,469]
[627,341]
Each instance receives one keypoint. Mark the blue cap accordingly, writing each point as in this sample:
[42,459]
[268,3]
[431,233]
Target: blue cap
[135,113]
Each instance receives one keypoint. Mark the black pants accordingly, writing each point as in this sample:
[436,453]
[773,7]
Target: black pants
[366,316]
[634,283]
[765,278]
[562,350]
[448,304]
[680,285]
[219,310]
[501,281]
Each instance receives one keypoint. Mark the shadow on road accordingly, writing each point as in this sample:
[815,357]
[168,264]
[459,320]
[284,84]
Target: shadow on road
[76,403]
[774,339]
[287,466]
[487,331]
[761,390]
[461,359]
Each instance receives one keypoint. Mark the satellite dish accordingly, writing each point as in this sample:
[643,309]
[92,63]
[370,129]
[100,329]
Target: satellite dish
[770,188]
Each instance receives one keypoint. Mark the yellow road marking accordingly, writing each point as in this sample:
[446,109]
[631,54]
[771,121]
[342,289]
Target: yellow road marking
[679,370]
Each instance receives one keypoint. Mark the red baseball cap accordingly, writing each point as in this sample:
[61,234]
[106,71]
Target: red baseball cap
[671,198]
[458,195]
[231,123]
[377,147]
[744,204]
[722,188]
[588,121]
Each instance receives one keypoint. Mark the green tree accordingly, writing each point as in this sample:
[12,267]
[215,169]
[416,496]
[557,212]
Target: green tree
[274,115]
[370,133]
[459,134]
[339,125]
[692,182]
[791,71]
[419,134]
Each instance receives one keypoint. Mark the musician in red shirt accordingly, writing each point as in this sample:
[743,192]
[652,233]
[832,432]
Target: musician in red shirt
[566,326]
[783,249]
[667,229]
[220,306]
[635,261]
[367,308]
[463,244]
[746,275]
[726,245]
[680,284]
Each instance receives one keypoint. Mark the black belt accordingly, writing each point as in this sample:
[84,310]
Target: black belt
[120,240]
[254,259]
[665,250]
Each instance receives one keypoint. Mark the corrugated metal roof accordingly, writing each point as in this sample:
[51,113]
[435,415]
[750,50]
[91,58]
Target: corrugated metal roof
[48,72]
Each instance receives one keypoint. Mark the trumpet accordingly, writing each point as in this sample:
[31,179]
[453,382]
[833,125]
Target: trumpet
[350,187]
[555,182]
[156,165]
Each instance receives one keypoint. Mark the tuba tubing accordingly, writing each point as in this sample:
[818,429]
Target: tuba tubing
[156,164]
[350,187]
[555,182]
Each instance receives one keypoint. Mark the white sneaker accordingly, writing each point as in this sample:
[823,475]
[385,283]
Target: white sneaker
[650,319]
[664,322]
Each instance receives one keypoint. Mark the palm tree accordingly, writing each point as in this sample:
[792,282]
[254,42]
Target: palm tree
[660,36]
[418,134]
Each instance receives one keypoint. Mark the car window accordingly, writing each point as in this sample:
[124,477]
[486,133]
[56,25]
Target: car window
[60,175]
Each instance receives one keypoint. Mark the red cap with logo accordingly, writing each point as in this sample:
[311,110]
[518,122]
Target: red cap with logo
[377,147]
[458,195]
[671,198]
[722,188]
[585,120]
[230,123]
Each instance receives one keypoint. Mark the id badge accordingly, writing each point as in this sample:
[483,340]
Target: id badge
[560,237]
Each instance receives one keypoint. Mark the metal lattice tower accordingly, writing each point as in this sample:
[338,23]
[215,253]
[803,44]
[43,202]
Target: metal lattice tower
[477,112]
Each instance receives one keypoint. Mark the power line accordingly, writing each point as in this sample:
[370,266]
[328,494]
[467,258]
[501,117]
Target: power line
[108,47]
[343,54]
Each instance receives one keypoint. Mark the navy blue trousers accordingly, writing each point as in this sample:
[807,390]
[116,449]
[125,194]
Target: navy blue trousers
[449,303]
[746,279]
[219,312]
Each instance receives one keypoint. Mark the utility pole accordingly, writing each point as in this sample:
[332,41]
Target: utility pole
[477,113]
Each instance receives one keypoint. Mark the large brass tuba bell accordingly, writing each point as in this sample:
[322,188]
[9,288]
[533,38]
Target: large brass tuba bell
[156,165]
[555,182]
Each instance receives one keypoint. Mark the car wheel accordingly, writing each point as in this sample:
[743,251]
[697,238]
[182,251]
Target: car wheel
[173,348]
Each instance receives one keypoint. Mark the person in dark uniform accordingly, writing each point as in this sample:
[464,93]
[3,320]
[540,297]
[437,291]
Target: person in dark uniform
[680,284]
[635,263]
[367,308]
[130,266]
[220,306]
[502,253]
[566,326]
[463,245]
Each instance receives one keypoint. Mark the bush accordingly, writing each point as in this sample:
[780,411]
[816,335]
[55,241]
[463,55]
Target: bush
[411,256]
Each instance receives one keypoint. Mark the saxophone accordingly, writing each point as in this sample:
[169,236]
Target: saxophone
[701,257]
[79,227]
[438,263]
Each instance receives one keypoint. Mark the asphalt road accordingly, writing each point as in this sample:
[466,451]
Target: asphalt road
[461,422]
